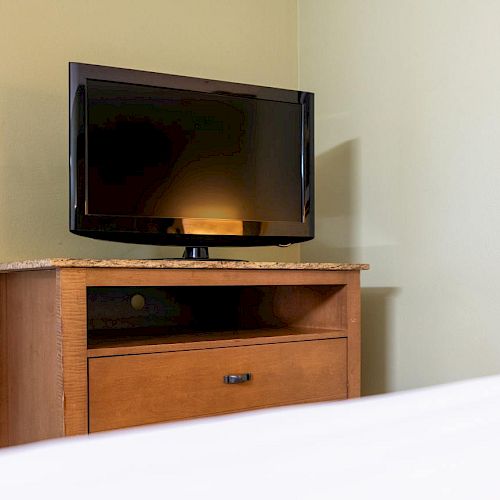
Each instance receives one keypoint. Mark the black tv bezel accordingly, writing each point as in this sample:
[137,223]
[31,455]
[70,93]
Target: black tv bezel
[165,231]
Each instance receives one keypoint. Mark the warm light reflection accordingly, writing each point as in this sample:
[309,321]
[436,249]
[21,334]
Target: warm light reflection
[211,226]
[199,192]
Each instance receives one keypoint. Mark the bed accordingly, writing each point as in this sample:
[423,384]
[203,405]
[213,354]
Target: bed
[438,442]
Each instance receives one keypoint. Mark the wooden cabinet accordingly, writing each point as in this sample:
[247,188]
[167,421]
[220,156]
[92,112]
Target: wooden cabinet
[78,353]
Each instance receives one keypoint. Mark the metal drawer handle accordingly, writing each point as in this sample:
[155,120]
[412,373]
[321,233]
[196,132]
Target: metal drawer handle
[237,379]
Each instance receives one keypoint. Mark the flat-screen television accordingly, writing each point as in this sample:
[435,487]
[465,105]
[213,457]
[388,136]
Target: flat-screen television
[174,160]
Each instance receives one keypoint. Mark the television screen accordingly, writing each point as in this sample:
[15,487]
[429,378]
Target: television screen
[170,153]
[171,160]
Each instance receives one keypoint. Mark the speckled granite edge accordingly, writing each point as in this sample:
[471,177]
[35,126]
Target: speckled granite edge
[24,265]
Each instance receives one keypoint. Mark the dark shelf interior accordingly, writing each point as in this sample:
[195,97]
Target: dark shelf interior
[195,314]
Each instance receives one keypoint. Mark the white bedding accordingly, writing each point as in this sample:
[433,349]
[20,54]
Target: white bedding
[440,442]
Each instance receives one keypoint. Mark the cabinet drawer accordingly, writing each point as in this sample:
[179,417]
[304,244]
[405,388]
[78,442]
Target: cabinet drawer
[147,388]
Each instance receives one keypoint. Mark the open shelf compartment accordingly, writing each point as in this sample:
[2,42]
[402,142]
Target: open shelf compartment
[184,318]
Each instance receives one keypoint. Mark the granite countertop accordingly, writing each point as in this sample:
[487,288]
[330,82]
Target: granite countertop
[54,263]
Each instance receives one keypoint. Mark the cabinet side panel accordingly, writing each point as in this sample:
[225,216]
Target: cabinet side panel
[72,293]
[312,306]
[353,336]
[35,392]
[4,431]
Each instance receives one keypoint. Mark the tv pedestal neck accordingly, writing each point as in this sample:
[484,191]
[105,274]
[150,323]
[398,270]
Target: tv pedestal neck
[201,254]
[195,253]
[91,345]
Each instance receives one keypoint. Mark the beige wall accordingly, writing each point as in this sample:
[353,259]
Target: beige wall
[252,41]
[408,171]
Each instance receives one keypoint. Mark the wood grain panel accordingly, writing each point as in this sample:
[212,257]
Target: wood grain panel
[4,409]
[308,306]
[353,311]
[35,392]
[135,390]
[114,343]
[201,277]
[72,294]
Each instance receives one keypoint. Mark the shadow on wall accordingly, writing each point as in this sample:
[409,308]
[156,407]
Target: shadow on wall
[336,173]
[337,188]
[376,304]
